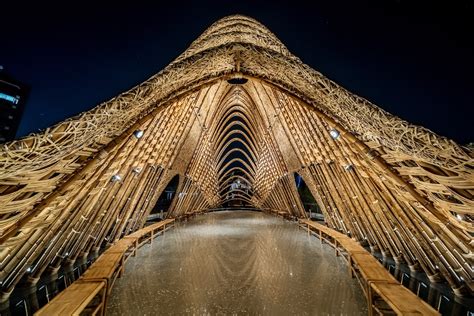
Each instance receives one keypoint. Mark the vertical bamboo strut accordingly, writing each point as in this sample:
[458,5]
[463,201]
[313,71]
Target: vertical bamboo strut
[399,188]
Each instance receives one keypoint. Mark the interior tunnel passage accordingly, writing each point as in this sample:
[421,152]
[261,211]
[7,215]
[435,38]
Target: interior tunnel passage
[235,117]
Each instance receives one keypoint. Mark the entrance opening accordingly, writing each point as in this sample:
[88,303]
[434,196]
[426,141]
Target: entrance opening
[310,205]
[237,162]
[237,189]
[164,201]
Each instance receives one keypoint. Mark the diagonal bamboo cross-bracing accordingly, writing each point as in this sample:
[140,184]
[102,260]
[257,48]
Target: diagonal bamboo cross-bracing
[235,116]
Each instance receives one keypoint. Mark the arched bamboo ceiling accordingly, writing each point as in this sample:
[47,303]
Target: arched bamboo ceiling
[395,186]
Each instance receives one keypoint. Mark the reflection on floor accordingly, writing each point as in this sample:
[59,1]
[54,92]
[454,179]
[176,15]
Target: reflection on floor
[236,263]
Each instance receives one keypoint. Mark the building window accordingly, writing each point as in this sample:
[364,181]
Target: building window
[10,117]
[10,98]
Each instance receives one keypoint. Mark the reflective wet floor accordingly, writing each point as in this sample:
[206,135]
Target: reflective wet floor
[236,263]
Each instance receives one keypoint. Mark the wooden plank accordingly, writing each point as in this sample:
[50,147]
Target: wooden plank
[107,259]
[74,299]
[100,275]
[121,246]
[351,246]
[375,276]
[402,300]
[371,269]
[108,267]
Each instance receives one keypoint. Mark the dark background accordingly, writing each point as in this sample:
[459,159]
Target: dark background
[411,58]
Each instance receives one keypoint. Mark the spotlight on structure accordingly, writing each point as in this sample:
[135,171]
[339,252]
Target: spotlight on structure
[138,133]
[136,170]
[334,133]
[116,178]
[348,167]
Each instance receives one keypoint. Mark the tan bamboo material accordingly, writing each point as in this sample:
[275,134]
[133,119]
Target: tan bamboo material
[77,299]
[236,107]
[372,275]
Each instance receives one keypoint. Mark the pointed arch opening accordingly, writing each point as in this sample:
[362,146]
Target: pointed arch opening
[162,206]
[311,207]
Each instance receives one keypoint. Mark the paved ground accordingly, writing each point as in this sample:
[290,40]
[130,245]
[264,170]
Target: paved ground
[236,263]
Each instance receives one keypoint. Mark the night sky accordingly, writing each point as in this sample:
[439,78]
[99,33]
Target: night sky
[414,59]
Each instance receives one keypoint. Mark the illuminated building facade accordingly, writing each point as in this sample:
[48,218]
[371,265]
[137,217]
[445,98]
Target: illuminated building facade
[12,102]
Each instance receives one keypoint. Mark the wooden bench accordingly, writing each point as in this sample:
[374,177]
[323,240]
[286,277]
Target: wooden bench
[147,234]
[325,233]
[125,246]
[88,294]
[78,299]
[108,267]
[122,245]
[399,299]
[367,269]
[384,293]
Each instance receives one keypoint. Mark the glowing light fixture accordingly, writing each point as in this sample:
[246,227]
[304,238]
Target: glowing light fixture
[137,170]
[334,133]
[116,178]
[138,133]
[348,167]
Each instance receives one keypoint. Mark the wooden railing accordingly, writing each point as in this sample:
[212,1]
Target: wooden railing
[385,295]
[88,295]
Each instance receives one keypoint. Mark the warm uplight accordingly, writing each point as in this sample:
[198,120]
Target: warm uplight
[138,133]
[334,133]
[116,178]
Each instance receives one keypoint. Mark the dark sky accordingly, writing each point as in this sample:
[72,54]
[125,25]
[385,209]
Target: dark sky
[414,59]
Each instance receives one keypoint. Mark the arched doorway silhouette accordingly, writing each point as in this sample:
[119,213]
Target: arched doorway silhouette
[162,206]
[311,207]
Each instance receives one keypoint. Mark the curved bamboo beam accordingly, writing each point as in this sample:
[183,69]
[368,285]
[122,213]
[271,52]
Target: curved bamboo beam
[397,187]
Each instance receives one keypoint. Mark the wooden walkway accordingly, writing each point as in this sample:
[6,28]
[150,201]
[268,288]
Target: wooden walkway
[88,294]
[385,295]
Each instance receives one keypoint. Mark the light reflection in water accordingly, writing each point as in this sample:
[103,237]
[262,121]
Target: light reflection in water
[229,263]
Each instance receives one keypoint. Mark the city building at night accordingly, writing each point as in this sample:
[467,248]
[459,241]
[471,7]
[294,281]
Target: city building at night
[12,102]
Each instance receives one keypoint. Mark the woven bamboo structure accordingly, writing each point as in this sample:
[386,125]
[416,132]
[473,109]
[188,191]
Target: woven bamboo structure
[397,187]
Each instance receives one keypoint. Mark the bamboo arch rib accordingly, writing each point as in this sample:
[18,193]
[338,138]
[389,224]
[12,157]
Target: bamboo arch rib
[236,106]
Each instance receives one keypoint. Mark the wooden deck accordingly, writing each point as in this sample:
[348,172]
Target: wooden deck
[88,294]
[385,295]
